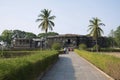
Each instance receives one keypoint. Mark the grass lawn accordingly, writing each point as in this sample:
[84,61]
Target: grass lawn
[107,63]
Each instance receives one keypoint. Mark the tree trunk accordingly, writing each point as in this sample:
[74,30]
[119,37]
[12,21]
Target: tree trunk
[96,45]
[46,39]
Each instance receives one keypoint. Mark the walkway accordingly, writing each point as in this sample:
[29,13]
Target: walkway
[72,67]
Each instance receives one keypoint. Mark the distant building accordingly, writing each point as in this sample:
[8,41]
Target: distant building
[66,40]
[23,43]
[73,40]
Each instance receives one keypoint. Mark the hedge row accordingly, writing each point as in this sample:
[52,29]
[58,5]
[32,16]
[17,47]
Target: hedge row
[27,67]
[109,64]
[13,54]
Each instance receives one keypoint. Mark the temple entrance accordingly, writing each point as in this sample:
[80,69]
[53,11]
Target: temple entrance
[68,41]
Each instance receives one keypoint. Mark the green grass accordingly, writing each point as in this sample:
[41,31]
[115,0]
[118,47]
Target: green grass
[107,63]
[27,67]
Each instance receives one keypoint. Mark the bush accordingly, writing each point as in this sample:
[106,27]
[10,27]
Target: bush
[13,54]
[82,47]
[27,67]
[56,46]
[95,47]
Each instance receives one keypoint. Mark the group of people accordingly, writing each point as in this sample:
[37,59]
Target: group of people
[66,50]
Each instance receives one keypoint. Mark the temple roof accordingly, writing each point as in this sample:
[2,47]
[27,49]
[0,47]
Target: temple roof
[65,35]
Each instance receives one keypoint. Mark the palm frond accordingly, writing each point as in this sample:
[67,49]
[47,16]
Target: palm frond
[91,21]
[52,23]
[50,27]
[39,20]
[101,24]
[52,17]
[41,15]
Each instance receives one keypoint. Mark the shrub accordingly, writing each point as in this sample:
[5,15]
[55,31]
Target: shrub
[27,67]
[95,47]
[56,46]
[82,47]
[13,54]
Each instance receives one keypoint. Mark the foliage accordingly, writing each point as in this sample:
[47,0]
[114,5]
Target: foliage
[109,64]
[18,34]
[114,37]
[1,38]
[46,20]
[94,26]
[117,36]
[7,36]
[82,47]
[30,35]
[47,34]
[56,46]
[27,67]
[96,47]
[13,54]
[95,29]
[111,39]
[22,34]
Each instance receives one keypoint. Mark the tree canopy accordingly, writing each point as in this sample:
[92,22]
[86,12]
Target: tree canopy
[117,36]
[48,34]
[8,35]
[46,20]
[94,27]
[95,30]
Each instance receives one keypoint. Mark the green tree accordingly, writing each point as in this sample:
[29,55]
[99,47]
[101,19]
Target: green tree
[19,34]
[22,34]
[48,34]
[95,30]
[7,36]
[30,35]
[111,38]
[82,46]
[45,20]
[1,38]
[56,46]
[117,36]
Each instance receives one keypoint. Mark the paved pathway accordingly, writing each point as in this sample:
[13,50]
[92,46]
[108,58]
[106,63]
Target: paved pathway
[72,67]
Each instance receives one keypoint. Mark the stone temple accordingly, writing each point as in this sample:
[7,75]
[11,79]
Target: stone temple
[66,40]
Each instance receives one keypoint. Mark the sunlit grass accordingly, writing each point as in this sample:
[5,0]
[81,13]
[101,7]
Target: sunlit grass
[27,67]
[108,63]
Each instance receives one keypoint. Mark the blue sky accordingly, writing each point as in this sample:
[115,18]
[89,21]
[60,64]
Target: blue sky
[72,16]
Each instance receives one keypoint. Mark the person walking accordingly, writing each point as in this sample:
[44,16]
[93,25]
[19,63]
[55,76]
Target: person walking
[65,50]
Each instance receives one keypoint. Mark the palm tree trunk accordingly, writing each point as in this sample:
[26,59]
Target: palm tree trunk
[96,45]
[46,39]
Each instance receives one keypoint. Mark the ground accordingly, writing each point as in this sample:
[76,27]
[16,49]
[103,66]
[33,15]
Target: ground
[116,54]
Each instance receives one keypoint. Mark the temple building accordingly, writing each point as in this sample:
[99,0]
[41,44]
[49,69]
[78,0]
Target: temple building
[73,40]
[66,40]
[23,43]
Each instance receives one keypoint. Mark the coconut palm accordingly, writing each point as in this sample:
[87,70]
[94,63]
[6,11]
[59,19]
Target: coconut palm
[45,19]
[95,30]
[46,22]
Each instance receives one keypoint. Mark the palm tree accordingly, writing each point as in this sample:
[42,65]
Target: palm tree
[95,30]
[45,19]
